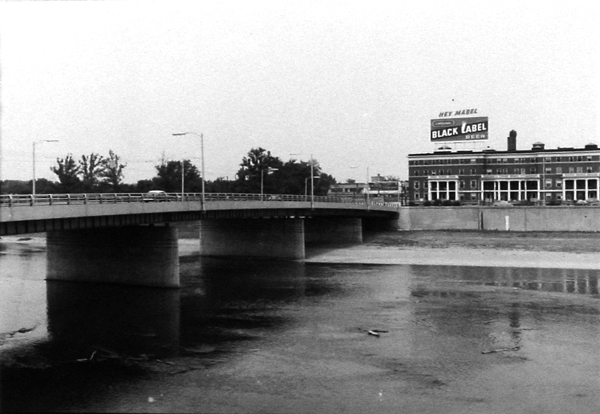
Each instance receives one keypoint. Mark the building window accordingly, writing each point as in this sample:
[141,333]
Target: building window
[571,169]
[532,170]
[548,183]
[462,184]
[473,171]
[589,169]
[579,170]
[559,170]
[558,184]
[548,170]
[473,184]
[417,184]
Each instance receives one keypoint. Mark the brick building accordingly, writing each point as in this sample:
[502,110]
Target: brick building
[539,174]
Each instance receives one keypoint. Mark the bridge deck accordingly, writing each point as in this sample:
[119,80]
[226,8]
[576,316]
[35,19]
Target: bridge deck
[27,214]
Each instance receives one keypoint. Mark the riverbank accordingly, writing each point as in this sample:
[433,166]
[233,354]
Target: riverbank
[469,248]
[573,250]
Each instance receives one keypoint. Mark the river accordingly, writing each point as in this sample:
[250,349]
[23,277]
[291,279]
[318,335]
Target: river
[255,336]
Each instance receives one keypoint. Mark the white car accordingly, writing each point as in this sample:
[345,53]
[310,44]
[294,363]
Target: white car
[156,195]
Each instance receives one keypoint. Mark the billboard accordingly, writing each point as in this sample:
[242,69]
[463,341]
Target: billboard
[459,129]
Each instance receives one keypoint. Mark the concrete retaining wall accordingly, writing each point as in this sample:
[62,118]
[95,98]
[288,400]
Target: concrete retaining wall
[574,218]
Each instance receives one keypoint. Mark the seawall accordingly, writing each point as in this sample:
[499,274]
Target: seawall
[571,218]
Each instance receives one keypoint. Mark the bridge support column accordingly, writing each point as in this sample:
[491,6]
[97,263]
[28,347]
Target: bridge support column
[135,255]
[276,238]
[333,230]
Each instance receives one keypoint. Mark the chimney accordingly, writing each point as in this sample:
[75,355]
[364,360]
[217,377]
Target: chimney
[512,140]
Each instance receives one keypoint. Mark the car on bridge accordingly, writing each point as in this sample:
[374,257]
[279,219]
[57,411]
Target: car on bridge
[157,196]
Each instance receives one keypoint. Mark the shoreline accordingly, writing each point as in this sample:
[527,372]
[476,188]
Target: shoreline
[456,256]
[433,249]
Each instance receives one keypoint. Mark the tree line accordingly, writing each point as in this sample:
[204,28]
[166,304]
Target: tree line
[259,171]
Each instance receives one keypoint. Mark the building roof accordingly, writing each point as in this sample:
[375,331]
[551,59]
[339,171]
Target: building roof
[589,147]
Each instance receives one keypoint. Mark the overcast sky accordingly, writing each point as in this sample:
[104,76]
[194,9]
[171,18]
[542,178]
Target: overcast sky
[355,84]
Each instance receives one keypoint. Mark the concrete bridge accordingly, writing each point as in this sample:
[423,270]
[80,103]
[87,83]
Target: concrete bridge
[128,238]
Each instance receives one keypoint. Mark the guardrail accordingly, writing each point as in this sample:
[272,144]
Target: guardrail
[24,200]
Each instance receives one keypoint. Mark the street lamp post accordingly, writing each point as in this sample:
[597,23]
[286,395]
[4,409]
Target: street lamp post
[306,184]
[312,181]
[34,144]
[182,178]
[178,134]
[262,180]
[367,188]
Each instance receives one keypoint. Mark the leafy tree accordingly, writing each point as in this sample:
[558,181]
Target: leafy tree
[67,171]
[220,185]
[254,168]
[15,187]
[144,186]
[323,184]
[291,177]
[112,171]
[294,177]
[91,168]
[169,177]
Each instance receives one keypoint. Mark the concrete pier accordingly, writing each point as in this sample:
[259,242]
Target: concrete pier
[275,238]
[133,255]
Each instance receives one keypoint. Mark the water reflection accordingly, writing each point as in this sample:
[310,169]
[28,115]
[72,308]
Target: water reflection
[230,300]
[85,317]
[579,281]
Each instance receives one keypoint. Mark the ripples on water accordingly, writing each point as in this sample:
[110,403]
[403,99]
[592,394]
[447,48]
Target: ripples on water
[76,339]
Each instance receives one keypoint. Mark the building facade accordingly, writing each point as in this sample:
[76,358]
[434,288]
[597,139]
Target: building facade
[477,177]
[379,188]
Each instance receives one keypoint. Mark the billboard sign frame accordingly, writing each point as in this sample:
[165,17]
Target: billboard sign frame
[459,129]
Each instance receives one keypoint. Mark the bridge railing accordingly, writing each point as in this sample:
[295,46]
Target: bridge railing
[18,200]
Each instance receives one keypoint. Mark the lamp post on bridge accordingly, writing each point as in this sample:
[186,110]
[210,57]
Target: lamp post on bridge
[34,144]
[312,181]
[306,184]
[262,180]
[178,134]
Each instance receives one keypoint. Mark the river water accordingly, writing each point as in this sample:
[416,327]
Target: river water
[268,336]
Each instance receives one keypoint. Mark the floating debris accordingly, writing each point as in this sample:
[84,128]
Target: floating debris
[373,333]
[516,348]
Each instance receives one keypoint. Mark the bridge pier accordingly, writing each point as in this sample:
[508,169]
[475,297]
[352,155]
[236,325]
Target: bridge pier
[275,238]
[132,255]
[333,230]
